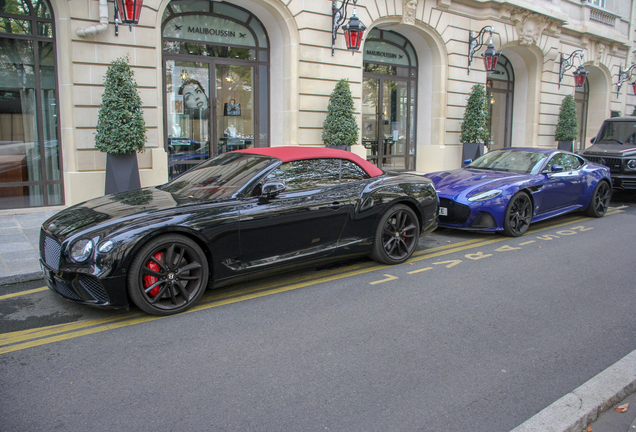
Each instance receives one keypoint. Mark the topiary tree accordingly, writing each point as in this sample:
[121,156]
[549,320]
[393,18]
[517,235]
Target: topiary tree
[474,128]
[120,124]
[340,127]
[567,126]
[634,112]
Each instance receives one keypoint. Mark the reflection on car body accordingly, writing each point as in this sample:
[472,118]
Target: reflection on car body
[233,217]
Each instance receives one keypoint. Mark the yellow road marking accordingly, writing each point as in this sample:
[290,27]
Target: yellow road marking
[15,341]
[420,270]
[388,278]
[6,296]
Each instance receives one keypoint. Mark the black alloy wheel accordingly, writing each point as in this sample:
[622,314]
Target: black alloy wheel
[600,200]
[168,275]
[518,215]
[396,236]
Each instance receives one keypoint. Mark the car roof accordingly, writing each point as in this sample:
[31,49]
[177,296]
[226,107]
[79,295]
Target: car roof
[293,153]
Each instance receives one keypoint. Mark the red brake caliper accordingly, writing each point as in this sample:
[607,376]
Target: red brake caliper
[149,280]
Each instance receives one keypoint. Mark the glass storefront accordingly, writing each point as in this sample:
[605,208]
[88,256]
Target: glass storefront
[500,90]
[216,63]
[388,100]
[30,156]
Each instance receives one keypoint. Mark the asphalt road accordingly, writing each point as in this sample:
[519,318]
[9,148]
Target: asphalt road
[477,332]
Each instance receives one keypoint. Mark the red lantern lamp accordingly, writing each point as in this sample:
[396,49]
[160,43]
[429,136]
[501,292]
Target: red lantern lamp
[353,32]
[127,12]
[579,76]
[490,58]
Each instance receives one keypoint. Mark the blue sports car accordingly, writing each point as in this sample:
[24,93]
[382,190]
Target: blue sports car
[505,190]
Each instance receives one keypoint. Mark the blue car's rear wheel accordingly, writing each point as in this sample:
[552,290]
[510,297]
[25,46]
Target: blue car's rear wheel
[518,215]
[396,236]
[168,275]
[600,200]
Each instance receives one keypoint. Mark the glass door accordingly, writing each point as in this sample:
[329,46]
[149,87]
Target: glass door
[188,122]
[235,126]
[385,123]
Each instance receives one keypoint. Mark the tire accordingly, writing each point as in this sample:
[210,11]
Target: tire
[600,200]
[396,235]
[168,275]
[518,215]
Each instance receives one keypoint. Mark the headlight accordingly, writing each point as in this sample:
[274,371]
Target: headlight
[105,246]
[81,250]
[483,196]
[631,164]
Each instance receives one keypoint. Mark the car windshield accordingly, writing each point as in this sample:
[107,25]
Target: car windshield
[219,178]
[614,132]
[509,160]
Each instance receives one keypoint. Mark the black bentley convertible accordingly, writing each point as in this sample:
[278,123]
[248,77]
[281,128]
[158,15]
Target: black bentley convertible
[229,218]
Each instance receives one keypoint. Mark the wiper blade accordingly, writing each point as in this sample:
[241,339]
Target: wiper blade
[613,139]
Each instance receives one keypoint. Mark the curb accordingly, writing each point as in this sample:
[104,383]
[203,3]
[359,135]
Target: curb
[21,277]
[574,411]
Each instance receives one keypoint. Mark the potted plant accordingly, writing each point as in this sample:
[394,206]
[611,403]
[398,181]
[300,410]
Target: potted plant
[121,130]
[340,129]
[474,128]
[567,125]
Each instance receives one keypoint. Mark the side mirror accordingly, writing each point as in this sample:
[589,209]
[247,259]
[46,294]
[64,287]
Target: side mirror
[557,168]
[273,187]
[467,162]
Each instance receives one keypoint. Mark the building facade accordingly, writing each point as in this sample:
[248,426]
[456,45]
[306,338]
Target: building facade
[221,75]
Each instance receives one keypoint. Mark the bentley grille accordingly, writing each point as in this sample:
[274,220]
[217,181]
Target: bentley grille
[52,252]
[457,213]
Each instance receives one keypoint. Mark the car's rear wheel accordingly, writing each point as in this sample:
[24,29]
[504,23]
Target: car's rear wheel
[168,275]
[396,236]
[518,215]
[600,200]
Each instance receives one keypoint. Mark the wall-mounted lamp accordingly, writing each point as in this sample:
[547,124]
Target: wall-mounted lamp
[475,43]
[127,12]
[625,75]
[566,64]
[353,31]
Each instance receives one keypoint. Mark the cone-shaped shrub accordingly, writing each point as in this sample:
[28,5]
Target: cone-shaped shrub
[474,128]
[567,125]
[120,124]
[340,127]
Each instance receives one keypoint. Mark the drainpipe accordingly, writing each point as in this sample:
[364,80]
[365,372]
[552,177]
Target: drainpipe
[103,22]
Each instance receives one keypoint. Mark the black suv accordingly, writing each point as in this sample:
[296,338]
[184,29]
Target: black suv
[615,147]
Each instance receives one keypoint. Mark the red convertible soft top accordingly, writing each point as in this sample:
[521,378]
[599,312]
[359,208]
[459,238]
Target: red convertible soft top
[292,153]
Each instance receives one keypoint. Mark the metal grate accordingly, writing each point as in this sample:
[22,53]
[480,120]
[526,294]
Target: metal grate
[52,252]
[94,288]
[457,213]
[613,164]
[65,291]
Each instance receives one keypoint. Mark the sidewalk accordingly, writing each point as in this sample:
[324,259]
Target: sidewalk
[19,244]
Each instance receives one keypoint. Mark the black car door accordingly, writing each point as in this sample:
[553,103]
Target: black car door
[303,222]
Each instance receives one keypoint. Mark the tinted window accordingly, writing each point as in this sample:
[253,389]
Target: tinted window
[219,178]
[313,173]
[567,161]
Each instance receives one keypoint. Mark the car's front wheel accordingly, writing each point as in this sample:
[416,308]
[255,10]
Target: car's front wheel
[518,215]
[168,275]
[600,200]
[396,236]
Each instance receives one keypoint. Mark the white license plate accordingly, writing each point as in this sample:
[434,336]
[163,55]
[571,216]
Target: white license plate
[443,211]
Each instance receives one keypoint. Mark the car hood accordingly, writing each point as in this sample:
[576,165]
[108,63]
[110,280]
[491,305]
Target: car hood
[469,181]
[610,150]
[115,209]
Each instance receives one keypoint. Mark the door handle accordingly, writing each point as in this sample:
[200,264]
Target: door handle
[336,205]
